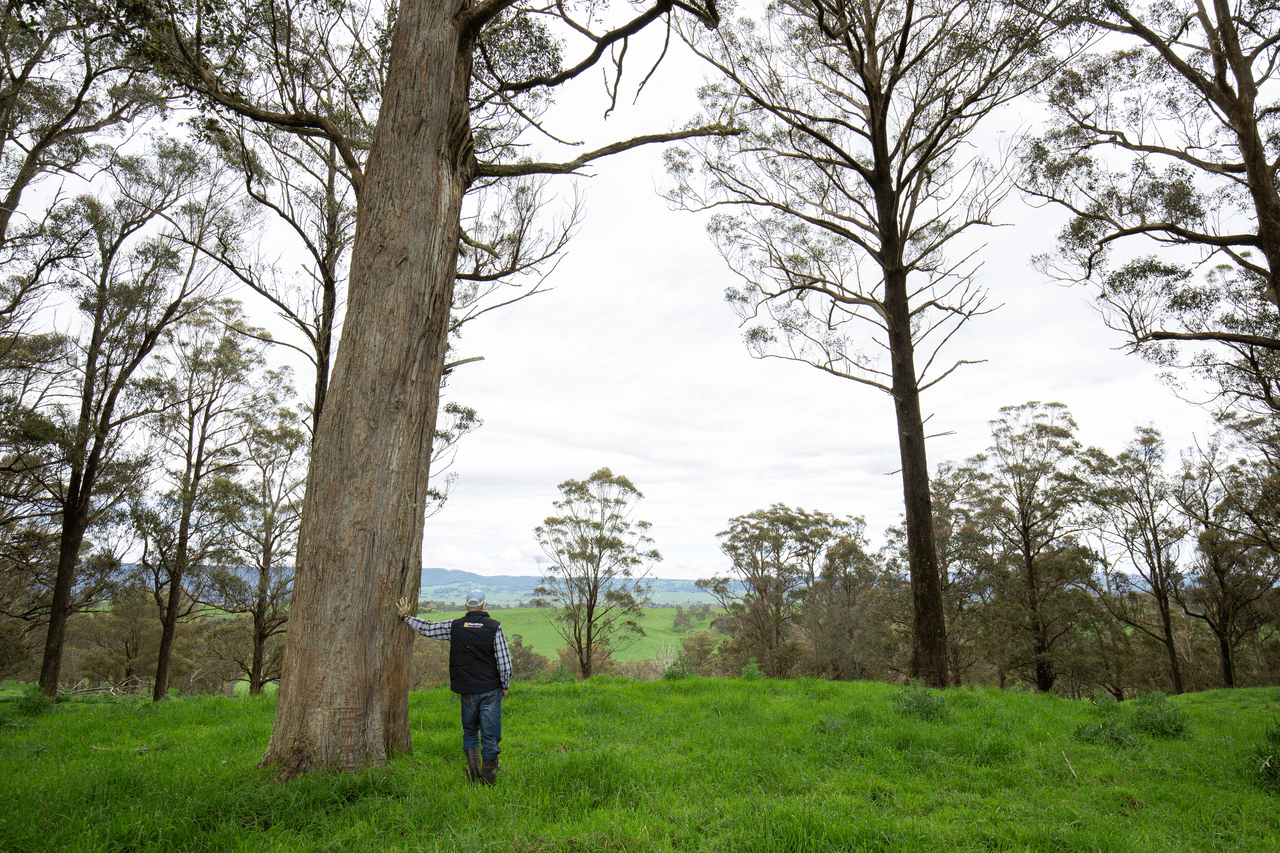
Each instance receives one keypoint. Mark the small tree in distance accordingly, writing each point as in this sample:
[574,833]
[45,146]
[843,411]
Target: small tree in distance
[596,579]
[777,555]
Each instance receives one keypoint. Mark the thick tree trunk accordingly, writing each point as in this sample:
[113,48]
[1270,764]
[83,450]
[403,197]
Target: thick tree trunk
[1240,105]
[344,691]
[928,628]
[1046,673]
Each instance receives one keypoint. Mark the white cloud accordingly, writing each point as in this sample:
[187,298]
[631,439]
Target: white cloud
[635,362]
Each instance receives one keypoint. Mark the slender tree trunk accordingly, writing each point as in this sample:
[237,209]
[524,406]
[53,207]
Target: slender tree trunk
[1166,622]
[169,618]
[259,630]
[259,653]
[344,690]
[1226,655]
[329,294]
[928,627]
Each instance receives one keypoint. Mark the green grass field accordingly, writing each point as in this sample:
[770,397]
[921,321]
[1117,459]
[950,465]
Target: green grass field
[691,765]
[534,626]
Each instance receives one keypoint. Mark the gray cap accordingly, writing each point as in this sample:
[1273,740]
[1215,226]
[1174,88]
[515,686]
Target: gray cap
[475,598]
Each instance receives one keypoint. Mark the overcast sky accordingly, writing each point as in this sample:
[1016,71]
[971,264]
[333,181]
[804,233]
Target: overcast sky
[635,362]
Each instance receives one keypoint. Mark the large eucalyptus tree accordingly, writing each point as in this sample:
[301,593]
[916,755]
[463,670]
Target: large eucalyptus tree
[600,556]
[1026,494]
[1135,509]
[344,694]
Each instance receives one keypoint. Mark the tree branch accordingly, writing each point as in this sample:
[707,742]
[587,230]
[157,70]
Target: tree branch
[511,170]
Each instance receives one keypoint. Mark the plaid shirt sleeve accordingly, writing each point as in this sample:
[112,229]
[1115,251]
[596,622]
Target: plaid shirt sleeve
[434,630]
[503,654]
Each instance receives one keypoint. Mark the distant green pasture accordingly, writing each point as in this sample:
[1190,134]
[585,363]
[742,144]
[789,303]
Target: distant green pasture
[533,624]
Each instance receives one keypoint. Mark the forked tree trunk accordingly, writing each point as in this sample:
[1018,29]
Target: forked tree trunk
[344,689]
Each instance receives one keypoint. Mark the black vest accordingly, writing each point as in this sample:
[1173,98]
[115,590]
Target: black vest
[473,664]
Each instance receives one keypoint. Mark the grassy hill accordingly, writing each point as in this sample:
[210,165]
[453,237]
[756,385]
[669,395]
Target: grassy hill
[691,765]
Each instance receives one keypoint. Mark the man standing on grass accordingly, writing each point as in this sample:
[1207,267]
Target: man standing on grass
[480,672]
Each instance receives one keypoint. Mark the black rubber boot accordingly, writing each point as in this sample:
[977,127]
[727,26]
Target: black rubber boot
[489,771]
[473,764]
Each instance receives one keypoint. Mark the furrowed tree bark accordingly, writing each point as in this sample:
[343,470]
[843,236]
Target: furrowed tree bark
[344,691]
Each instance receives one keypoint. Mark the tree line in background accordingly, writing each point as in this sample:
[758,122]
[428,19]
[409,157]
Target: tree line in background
[1064,569]
[840,153]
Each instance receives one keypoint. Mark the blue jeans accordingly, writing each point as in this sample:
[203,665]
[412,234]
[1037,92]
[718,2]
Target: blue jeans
[482,722]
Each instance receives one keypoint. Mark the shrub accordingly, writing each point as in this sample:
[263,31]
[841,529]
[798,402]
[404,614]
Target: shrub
[1155,715]
[1103,700]
[680,668]
[916,700]
[1112,731]
[752,671]
[1264,758]
[30,702]
[560,674]
[526,664]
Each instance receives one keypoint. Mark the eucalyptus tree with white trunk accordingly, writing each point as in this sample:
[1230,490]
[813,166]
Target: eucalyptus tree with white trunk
[853,181]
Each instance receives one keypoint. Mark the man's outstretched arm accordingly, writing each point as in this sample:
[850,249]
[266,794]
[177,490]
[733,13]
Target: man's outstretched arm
[434,630]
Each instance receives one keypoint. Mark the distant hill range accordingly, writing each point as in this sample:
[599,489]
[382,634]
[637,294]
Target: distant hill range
[451,586]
